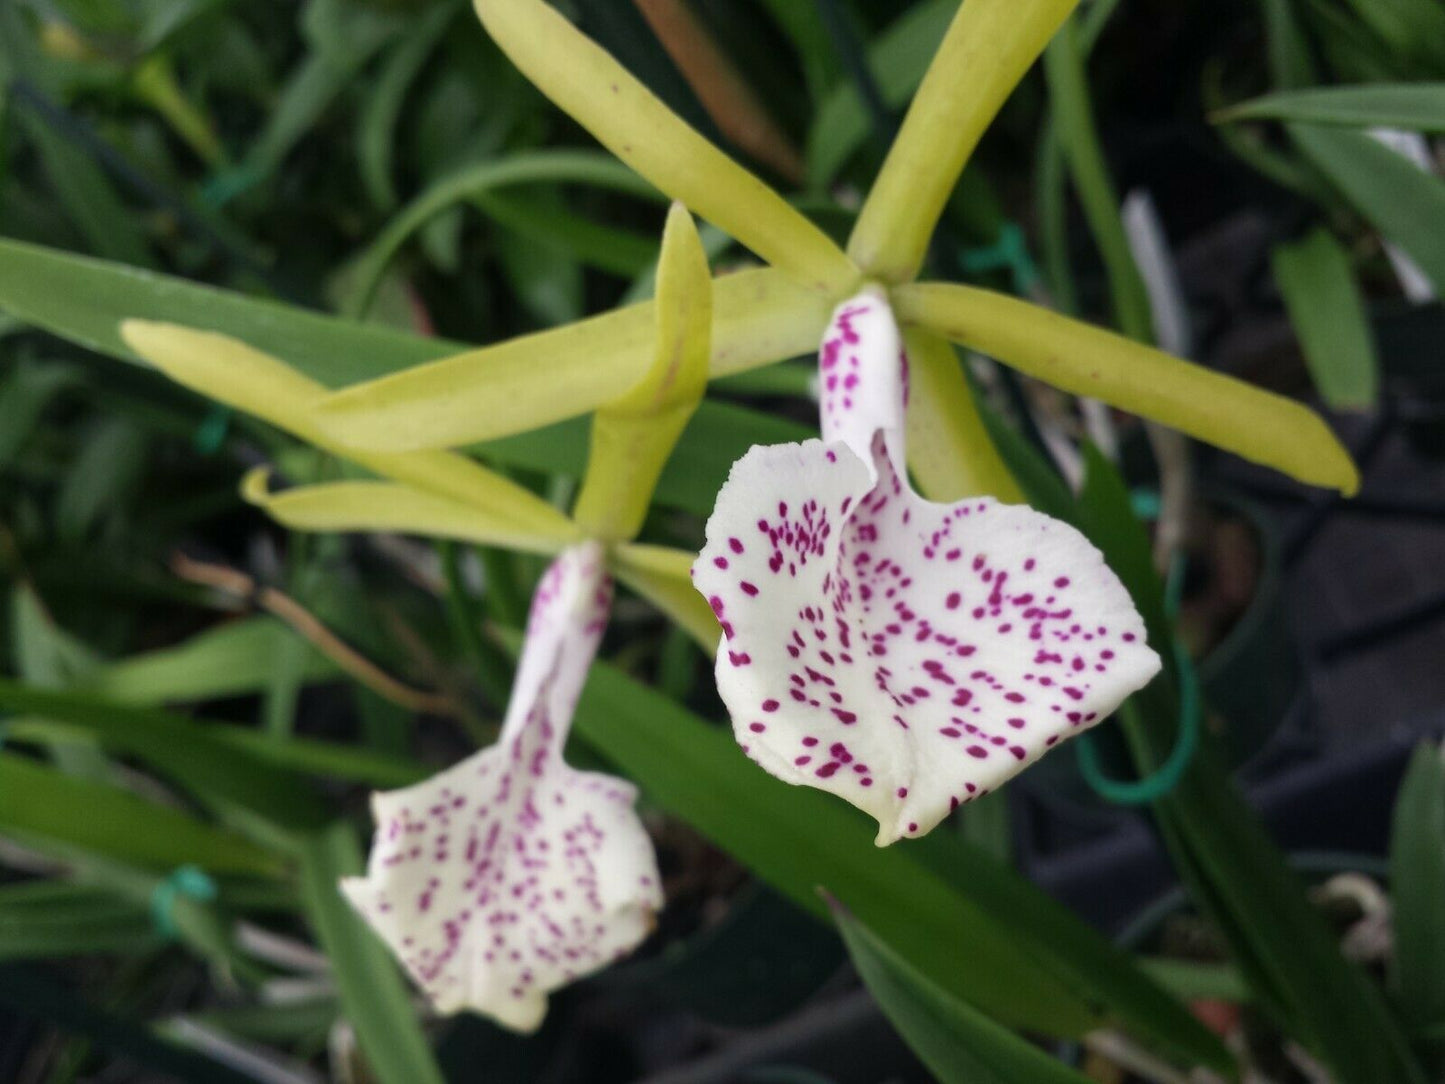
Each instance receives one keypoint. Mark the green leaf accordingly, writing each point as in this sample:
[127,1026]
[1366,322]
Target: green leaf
[959,1044]
[84,300]
[230,659]
[110,464]
[547,221]
[965,921]
[25,391]
[307,756]
[376,126]
[1417,881]
[373,994]
[40,919]
[1418,107]
[1281,943]
[1079,138]
[343,38]
[897,58]
[81,186]
[1403,202]
[1328,313]
[180,749]
[1290,65]
[116,824]
[33,994]
[1414,28]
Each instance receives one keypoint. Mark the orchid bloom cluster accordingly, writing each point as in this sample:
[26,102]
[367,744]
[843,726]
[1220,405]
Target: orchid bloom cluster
[510,874]
[905,655]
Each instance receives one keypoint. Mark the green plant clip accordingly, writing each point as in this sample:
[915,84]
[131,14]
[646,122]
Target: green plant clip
[1166,777]
[1009,253]
[225,185]
[189,881]
[212,430]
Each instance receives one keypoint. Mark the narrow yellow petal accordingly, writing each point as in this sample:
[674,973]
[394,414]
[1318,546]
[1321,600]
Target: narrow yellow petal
[229,371]
[601,95]
[1086,360]
[986,52]
[514,386]
[633,435]
[389,506]
[663,576]
[949,451]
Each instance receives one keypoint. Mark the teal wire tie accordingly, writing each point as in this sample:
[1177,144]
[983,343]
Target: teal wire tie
[1009,253]
[212,430]
[189,881]
[1166,777]
[224,186]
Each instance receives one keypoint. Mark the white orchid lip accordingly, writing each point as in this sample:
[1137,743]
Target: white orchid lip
[510,874]
[905,655]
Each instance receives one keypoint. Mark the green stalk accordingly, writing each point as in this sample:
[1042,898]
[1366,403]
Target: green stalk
[1077,134]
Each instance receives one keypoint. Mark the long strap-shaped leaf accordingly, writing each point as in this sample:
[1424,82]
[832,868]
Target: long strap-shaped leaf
[39,801]
[1281,942]
[987,50]
[538,167]
[968,923]
[1086,360]
[627,118]
[1404,203]
[1417,106]
[180,749]
[759,317]
[959,1044]
[373,993]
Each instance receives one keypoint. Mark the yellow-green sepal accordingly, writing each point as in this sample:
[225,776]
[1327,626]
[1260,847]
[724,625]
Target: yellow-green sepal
[238,375]
[633,435]
[950,453]
[585,82]
[988,47]
[1086,360]
[394,507]
[759,317]
[663,576]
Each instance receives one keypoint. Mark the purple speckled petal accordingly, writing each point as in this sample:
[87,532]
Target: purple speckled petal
[510,874]
[906,655]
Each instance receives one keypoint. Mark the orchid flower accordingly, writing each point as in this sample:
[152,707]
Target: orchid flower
[905,655]
[765,315]
[510,874]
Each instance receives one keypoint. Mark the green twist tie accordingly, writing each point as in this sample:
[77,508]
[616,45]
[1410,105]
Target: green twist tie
[212,430]
[1009,253]
[227,184]
[189,881]
[1166,777]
